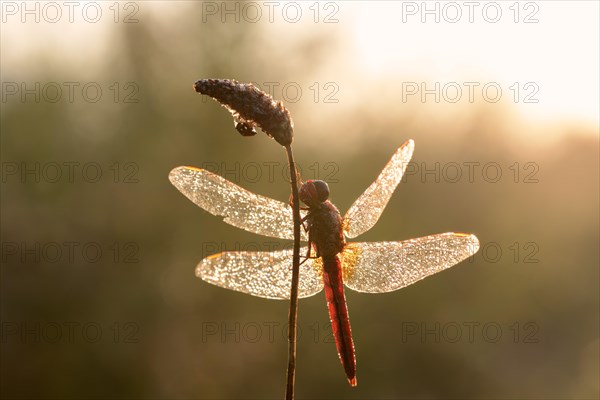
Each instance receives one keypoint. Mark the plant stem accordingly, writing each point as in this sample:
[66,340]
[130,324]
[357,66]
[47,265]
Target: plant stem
[293,313]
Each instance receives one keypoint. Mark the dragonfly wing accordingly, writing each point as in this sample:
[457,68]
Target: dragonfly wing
[367,209]
[240,207]
[263,274]
[380,267]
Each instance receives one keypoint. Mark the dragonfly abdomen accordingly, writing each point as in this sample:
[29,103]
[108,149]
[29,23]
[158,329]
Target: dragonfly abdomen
[338,313]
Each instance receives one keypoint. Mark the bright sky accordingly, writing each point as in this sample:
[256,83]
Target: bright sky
[556,50]
[544,50]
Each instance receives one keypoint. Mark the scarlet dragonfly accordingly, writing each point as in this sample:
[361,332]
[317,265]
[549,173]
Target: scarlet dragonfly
[371,267]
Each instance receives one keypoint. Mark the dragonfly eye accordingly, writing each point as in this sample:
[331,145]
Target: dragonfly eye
[322,190]
[314,192]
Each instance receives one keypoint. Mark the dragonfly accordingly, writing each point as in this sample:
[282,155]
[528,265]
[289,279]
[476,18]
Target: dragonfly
[370,267]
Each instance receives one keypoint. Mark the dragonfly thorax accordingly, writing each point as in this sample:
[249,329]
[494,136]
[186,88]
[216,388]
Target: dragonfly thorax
[313,193]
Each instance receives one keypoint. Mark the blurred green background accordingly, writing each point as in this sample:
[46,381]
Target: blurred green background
[98,293]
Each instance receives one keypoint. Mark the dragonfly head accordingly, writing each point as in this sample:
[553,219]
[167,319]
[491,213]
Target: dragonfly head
[313,193]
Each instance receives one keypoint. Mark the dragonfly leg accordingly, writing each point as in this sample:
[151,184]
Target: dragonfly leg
[307,253]
[303,221]
[308,256]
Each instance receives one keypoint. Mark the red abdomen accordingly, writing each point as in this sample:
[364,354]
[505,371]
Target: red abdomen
[338,313]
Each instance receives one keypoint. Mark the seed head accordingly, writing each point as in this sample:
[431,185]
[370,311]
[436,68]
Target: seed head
[250,107]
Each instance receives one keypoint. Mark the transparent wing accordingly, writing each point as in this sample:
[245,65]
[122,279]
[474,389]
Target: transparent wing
[379,267]
[262,274]
[367,209]
[240,207]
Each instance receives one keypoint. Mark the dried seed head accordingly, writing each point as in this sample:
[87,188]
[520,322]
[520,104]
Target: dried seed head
[250,107]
